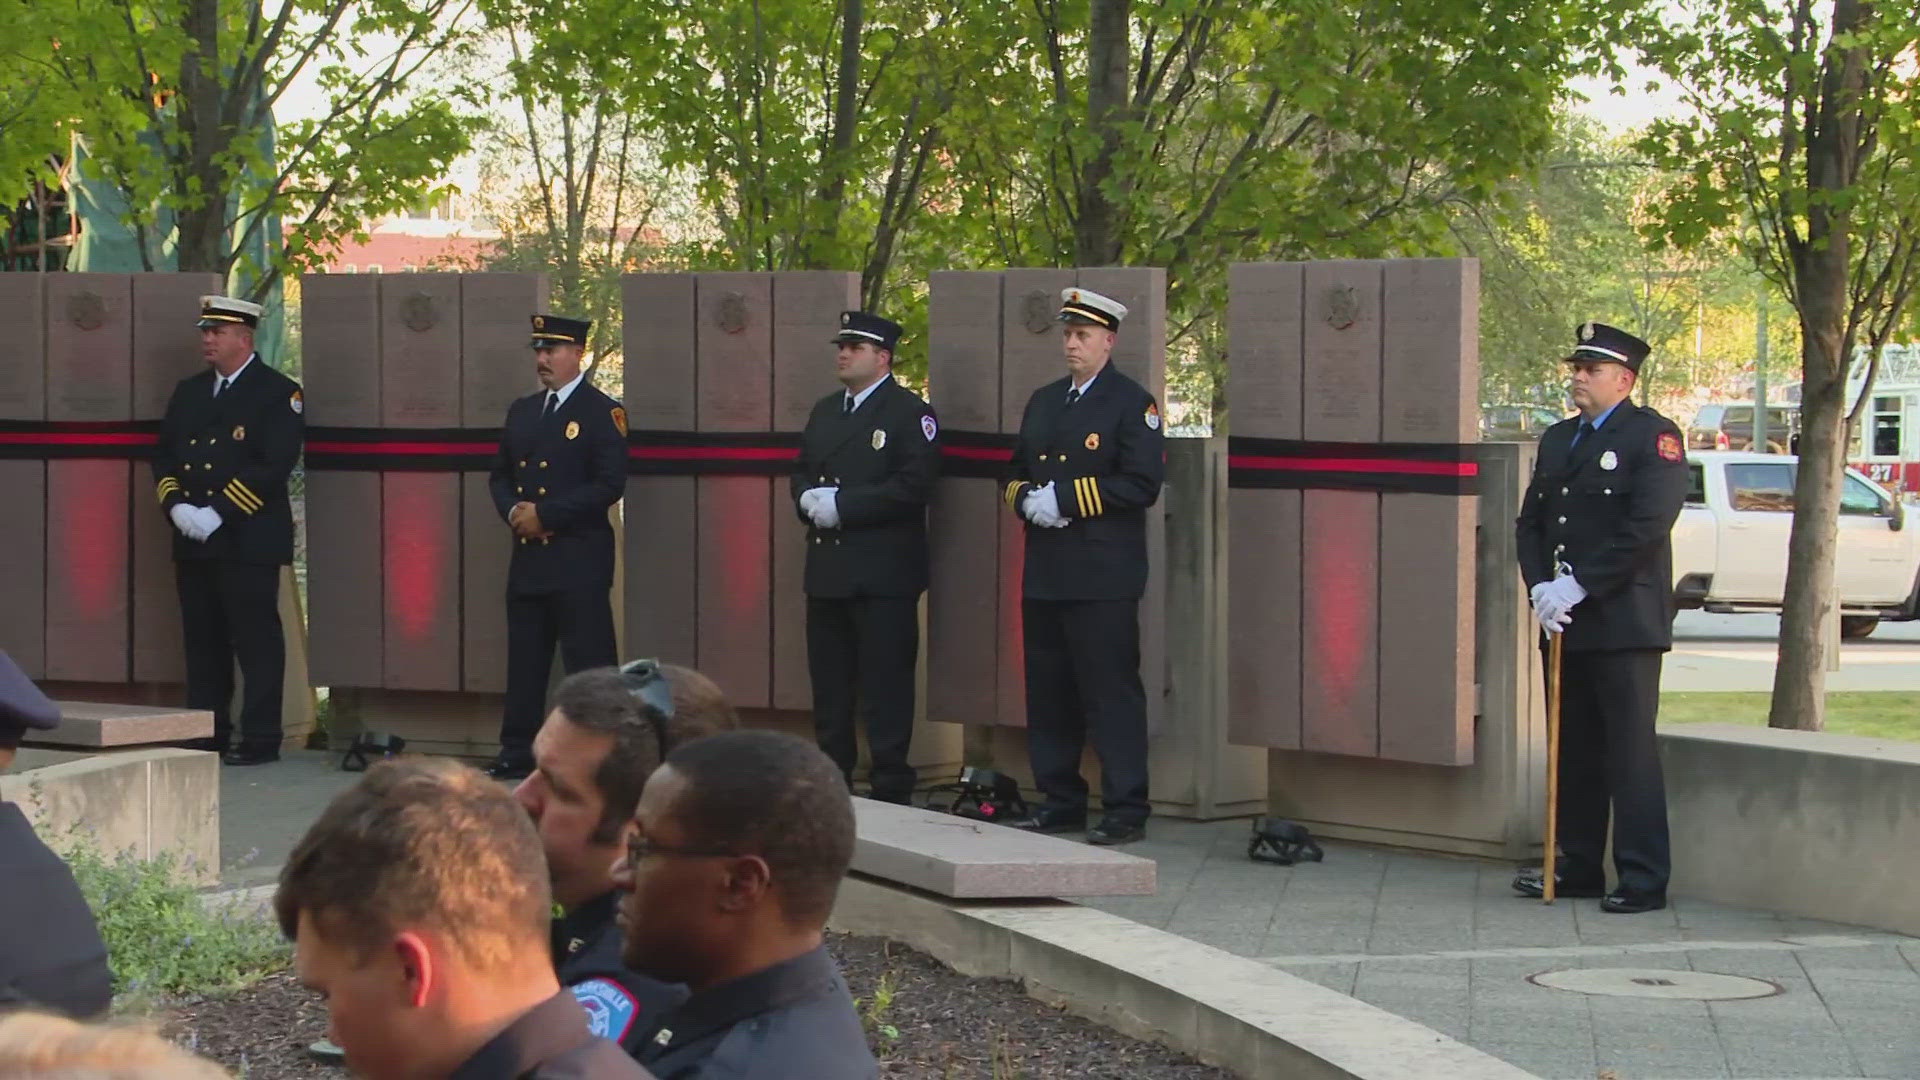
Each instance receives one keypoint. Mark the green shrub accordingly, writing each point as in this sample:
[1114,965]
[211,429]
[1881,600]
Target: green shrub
[166,939]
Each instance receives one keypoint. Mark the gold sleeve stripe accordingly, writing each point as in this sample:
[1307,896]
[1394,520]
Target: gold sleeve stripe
[1099,504]
[1086,490]
[1080,497]
[167,486]
[243,498]
[1013,490]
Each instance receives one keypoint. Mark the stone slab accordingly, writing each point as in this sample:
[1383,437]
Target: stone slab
[419,350]
[346,574]
[735,582]
[23,351]
[963,608]
[340,330]
[1340,634]
[90,345]
[99,725]
[420,532]
[1030,350]
[486,549]
[660,317]
[965,859]
[806,314]
[166,343]
[963,349]
[1263,619]
[158,654]
[735,346]
[148,803]
[662,568]
[23,569]
[87,599]
[1011,636]
[792,686]
[496,364]
[1264,366]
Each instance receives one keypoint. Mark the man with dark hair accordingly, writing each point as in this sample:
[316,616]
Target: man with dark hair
[51,955]
[227,448]
[418,906]
[738,848]
[868,459]
[605,735]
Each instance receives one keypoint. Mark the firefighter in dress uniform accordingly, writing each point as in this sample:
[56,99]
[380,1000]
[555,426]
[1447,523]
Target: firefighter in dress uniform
[868,460]
[1594,548]
[562,465]
[229,442]
[1088,463]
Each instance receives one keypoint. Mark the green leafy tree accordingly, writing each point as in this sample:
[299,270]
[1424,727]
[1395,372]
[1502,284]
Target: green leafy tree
[174,100]
[1802,135]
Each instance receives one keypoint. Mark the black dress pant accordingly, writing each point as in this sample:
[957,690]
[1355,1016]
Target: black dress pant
[1608,757]
[580,622]
[860,654]
[230,611]
[1083,680]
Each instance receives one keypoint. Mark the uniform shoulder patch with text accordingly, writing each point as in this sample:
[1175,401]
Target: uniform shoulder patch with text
[1669,446]
[296,403]
[1153,416]
[929,426]
[611,1011]
[620,419]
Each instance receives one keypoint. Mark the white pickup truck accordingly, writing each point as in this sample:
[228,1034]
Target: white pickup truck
[1730,544]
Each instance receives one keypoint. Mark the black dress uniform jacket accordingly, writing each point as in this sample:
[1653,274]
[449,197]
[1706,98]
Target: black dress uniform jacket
[550,1043]
[571,481]
[622,1005]
[235,454]
[884,458]
[1105,458]
[1611,525]
[51,955]
[790,1021]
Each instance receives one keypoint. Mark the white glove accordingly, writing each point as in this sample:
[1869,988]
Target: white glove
[208,519]
[185,520]
[826,509]
[1552,620]
[1562,593]
[1533,597]
[1042,507]
[807,499]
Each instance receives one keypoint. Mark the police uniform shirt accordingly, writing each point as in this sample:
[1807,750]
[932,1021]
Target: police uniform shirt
[883,457]
[792,1020]
[1605,505]
[1104,455]
[622,1005]
[233,450]
[51,955]
[550,1042]
[572,466]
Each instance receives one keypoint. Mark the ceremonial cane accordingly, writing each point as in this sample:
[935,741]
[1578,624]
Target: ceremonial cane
[1553,763]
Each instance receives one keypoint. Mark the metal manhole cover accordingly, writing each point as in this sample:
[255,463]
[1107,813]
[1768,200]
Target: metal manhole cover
[1655,983]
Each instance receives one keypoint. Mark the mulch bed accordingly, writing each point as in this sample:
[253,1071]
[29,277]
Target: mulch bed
[951,1027]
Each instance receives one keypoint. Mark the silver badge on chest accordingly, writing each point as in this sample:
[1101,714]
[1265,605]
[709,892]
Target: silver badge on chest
[1609,461]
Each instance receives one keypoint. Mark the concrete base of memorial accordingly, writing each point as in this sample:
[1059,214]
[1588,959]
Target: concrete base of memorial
[1223,1009]
[147,803]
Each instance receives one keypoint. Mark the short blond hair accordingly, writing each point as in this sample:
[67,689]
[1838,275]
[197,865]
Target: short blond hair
[422,843]
[39,1046]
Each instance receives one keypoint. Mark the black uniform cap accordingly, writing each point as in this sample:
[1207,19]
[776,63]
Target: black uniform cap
[1598,342]
[22,706]
[858,326]
[551,330]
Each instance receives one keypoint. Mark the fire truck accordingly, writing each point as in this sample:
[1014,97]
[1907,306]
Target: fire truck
[1887,445]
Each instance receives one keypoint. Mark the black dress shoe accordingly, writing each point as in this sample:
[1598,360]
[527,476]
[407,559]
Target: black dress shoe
[1624,902]
[1051,821]
[210,745]
[1532,883]
[251,755]
[510,767]
[1110,832]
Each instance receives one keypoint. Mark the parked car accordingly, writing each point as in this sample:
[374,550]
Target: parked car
[1516,423]
[1730,427]
[1730,542]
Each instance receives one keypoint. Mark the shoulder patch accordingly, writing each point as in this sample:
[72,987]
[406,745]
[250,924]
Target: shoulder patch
[611,1011]
[1669,446]
[296,403]
[1153,416]
[620,419]
[929,426]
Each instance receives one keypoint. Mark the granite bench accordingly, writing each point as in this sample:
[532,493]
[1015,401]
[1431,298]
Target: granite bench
[976,860]
[90,725]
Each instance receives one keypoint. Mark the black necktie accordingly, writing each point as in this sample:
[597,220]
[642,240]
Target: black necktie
[1073,396]
[1586,429]
[553,404]
[220,386]
[846,407]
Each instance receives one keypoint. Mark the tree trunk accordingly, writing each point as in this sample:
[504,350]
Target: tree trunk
[202,219]
[836,155]
[1097,240]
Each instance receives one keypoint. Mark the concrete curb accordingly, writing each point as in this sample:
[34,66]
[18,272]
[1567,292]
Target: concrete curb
[1223,1009]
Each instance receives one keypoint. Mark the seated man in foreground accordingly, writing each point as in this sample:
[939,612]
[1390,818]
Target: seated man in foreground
[738,847]
[419,907]
[606,733]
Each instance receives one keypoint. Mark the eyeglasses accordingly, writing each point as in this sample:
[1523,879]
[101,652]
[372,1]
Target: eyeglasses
[648,685]
[639,849]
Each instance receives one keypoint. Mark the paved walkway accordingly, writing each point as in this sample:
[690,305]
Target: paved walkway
[1739,652]
[1437,940]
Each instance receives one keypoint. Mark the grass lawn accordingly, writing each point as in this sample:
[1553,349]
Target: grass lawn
[1882,714]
